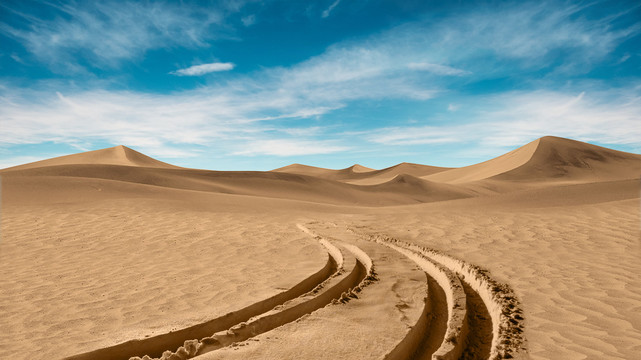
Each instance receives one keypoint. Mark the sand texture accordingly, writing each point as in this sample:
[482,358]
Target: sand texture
[111,254]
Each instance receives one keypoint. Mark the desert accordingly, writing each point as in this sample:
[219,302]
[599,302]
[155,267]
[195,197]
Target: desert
[111,254]
[320,180]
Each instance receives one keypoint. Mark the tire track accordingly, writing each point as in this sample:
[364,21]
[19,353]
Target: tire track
[428,332]
[453,341]
[339,288]
[493,327]
[479,340]
[155,345]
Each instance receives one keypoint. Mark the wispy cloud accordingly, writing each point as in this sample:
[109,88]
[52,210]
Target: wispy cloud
[609,116]
[290,147]
[6,162]
[535,33]
[203,69]
[106,33]
[157,124]
[248,20]
[437,69]
[328,11]
[249,114]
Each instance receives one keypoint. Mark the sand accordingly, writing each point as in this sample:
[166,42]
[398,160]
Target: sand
[113,248]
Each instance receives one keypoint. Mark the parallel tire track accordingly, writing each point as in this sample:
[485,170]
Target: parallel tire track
[493,326]
[156,345]
[453,342]
[339,288]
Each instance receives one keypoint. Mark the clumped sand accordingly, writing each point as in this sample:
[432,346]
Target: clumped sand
[112,249]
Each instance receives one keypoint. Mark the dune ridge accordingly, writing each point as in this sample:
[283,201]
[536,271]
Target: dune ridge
[549,158]
[353,171]
[360,175]
[254,183]
[117,155]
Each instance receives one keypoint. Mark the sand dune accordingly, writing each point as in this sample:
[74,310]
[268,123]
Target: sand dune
[558,159]
[402,190]
[360,175]
[421,190]
[534,254]
[550,159]
[355,170]
[117,155]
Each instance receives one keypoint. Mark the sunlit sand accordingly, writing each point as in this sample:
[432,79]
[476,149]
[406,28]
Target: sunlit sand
[111,254]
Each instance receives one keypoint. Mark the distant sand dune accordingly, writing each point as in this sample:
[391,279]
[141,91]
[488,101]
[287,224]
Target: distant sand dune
[550,159]
[265,184]
[360,175]
[118,155]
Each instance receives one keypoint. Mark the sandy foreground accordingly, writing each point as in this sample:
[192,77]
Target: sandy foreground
[535,254]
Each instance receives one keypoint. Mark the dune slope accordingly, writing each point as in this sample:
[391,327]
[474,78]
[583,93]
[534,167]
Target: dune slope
[550,158]
[117,155]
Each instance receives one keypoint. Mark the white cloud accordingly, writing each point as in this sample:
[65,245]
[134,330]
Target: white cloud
[414,135]
[106,33]
[289,147]
[328,11]
[267,102]
[610,116]
[202,69]
[533,31]
[19,160]
[155,124]
[248,20]
[437,69]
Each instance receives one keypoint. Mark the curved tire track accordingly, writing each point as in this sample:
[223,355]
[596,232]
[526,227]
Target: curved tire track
[339,288]
[156,345]
[493,326]
[453,341]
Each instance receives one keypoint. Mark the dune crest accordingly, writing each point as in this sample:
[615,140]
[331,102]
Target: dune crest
[117,155]
[565,159]
[361,175]
[487,169]
[355,170]
[389,173]
[550,158]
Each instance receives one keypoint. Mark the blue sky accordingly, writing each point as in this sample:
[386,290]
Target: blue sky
[255,85]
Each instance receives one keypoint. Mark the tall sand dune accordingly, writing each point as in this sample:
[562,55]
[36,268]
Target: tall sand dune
[117,155]
[550,158]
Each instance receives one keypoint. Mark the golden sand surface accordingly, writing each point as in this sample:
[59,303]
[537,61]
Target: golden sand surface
[113,255]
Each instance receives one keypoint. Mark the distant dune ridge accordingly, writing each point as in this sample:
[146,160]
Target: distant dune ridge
[111,254]
[117,155]
[545,160]
[551,158]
